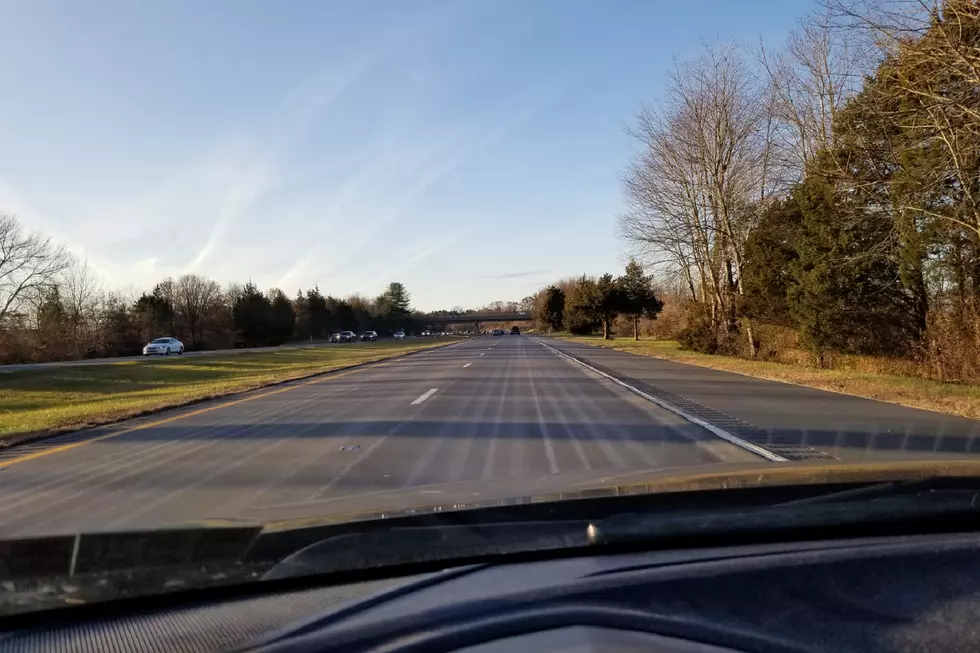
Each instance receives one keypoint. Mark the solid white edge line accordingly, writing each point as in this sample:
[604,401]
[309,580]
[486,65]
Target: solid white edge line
[467,364]
[721,433]
[424,396]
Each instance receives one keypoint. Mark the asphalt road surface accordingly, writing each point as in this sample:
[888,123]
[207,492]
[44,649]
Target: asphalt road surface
[491,417]
[497,415]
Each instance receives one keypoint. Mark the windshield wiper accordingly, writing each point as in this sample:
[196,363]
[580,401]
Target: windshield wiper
[405,545]
[929,505]
[892,488]
[935,503]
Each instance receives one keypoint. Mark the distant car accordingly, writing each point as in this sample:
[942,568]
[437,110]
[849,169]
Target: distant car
[426,334]
[344,336]
[164,346]
[369,336]
[399,335]
[515,331]
[498,332]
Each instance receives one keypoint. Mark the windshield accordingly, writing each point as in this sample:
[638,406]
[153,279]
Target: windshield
[434,255]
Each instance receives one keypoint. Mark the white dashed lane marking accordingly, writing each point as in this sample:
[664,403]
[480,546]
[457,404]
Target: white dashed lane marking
[424,396]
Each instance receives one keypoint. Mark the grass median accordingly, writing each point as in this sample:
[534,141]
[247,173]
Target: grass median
[952,398]
[61,398]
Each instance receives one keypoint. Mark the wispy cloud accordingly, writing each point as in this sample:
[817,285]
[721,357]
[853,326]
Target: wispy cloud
[517,275]
[303,105]
[317,184]
[32,218]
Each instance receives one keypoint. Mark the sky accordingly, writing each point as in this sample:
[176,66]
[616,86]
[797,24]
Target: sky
[471,149]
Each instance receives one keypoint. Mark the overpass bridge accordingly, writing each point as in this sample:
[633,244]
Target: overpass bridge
[475,319]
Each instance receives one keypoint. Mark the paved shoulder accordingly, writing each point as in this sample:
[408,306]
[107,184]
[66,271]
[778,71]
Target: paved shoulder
[843,426]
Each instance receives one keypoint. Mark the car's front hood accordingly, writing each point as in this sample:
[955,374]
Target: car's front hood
[48,571]
[463,495]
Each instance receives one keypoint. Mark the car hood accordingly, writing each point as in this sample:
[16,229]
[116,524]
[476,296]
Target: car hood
[462,495]
[41,572]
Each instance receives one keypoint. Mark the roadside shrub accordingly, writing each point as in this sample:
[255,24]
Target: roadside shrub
[699,336]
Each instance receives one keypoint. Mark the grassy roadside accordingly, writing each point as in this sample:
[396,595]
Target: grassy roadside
[950,398]
[61,398]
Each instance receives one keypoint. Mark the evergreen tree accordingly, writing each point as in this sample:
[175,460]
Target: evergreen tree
[580,302]
[607,303]
[282,318]
[769,252]
[552,311]
[252,314]
[397,298]
[844,296]
[154,316]
[52,320]
[321,318]
[121,335]
[637,296]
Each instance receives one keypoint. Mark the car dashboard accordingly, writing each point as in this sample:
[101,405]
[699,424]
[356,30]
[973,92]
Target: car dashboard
[902,593]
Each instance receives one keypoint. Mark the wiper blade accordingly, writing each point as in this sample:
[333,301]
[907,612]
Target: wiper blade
[929,510]
[404,545]
[892,488]
[892,504]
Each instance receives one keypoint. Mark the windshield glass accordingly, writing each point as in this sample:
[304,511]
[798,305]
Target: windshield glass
[433,255]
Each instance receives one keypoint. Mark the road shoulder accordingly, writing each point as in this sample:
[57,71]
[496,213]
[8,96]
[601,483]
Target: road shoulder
[786,416]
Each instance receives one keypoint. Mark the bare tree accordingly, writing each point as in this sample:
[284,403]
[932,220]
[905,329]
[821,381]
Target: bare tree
[705,159]
[196,299]
[930,51]
[818,69]
[29,265]
[81,293]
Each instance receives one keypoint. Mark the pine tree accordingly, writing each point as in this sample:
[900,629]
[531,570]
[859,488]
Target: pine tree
[283,318]
[252,315]
[608,302]
[553,308]
[846,296]
[580,303]
[637,296]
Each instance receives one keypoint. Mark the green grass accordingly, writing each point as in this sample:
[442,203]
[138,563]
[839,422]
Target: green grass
[61,398]
[953,398]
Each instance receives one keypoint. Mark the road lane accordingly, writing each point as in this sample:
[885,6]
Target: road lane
[505,412]
[784,417]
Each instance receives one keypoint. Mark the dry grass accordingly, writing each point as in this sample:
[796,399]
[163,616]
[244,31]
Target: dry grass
[859,379]
[60,398]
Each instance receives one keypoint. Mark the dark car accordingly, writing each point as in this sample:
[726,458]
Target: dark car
[369,336]
[498,332]
[515,331]
[344,336]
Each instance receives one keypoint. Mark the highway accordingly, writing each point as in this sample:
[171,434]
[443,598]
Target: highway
[487,418]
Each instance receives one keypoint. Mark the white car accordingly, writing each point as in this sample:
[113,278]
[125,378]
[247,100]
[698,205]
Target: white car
[399,335]
[164,346]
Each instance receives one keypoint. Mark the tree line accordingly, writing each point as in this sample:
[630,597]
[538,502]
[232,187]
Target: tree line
[829,190]
[53,307]
[583,305]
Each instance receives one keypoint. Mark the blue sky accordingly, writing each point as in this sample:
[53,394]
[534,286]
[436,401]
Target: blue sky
[471,149]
